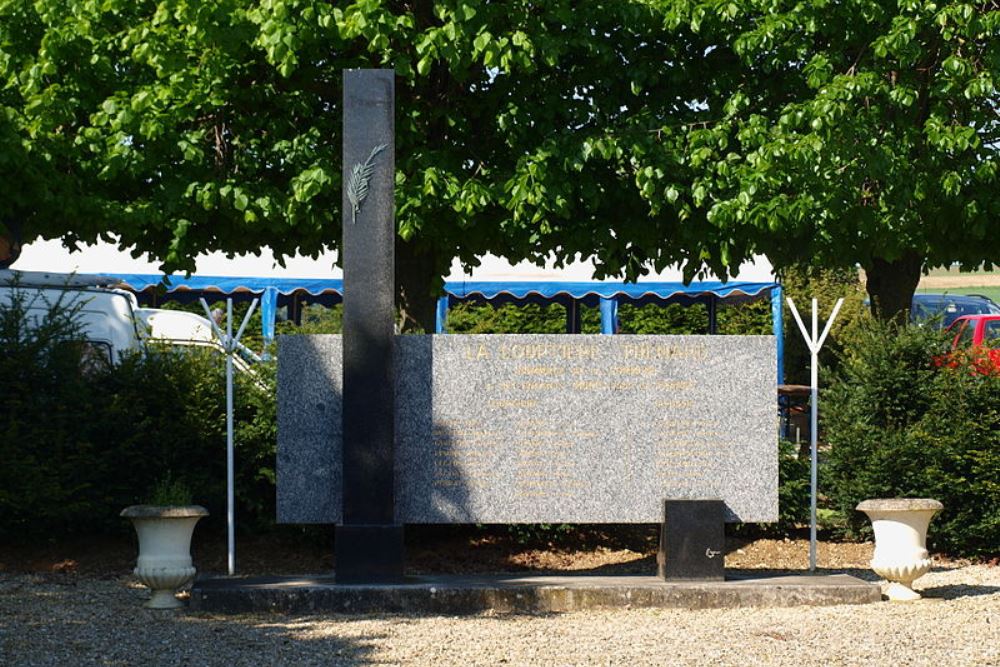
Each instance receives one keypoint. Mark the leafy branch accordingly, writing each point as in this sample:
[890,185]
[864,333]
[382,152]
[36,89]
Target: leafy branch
[357,186]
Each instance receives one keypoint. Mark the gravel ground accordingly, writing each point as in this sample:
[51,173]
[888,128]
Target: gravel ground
[52,619]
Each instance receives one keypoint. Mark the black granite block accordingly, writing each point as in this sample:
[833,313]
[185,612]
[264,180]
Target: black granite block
[368,554]
[369,297]
[692,541]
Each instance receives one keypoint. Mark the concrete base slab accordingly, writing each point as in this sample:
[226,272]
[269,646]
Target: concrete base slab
[470,594]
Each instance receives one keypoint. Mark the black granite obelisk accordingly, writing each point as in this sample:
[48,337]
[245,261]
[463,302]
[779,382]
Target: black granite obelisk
[369,543]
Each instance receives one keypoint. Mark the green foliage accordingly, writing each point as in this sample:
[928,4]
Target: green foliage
[754,318]
[79,442]
[746,319]
[899,426]
[316,319]
[736,319]
[803,283]
[635,133]
[170,492]
[793,487]
[590,320]
[839,133]
[509,318]
[198,125]
[43,394]
[256,439]
[653,319]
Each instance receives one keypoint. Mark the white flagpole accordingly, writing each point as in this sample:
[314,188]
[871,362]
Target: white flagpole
[814,341]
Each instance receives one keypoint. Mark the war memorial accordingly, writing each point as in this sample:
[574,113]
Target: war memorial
[378,430]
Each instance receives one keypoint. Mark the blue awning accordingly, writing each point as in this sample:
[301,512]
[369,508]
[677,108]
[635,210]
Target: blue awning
[461,290]
[590,293]
[276,292]
[227,286]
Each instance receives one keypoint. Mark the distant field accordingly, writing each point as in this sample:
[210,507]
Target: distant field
[992,292]
[955,272]
[952,281]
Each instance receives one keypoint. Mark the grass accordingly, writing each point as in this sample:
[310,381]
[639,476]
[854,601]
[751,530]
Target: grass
[953,281]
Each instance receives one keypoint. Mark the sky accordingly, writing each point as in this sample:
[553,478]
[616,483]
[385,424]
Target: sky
[52,257]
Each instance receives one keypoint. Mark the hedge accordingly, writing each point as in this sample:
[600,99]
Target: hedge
[901,424]
[81,440]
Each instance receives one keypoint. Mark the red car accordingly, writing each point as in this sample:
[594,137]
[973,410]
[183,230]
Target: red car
[979,334]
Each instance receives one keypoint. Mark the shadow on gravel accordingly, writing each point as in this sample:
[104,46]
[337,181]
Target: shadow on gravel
[286,640]
[957,591]
[76,621]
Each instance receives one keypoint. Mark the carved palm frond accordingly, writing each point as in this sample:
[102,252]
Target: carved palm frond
[357,185]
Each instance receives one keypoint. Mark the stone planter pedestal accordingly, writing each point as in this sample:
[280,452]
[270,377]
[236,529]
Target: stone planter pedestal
[901,556]
[164,549]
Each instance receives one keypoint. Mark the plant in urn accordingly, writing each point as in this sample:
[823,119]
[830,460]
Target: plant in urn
[164,528]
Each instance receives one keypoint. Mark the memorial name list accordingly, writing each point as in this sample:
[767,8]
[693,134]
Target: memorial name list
[544,428]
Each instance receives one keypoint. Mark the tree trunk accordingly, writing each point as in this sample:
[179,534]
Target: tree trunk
[417,276]
[891,286]
[10,250]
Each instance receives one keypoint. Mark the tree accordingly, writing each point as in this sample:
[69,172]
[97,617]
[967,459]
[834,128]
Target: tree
[183,126]
[843,133]
[638,134]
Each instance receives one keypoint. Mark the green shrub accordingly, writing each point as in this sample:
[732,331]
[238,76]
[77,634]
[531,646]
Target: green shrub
[170,492]
[166,412]
[654,319]
[46,448]
[79,442]
[793,487]
[746,319]
[899,426]
[753,318]
[256,437]
[802,284]
[315,319]
[675,318]
[473,318]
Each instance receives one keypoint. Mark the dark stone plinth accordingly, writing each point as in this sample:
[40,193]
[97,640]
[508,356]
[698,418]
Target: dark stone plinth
[692,541]
[369,544]
[470,594]
[371,553]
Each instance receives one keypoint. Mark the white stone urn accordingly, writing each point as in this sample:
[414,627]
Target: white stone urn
[901,556]
[164,549]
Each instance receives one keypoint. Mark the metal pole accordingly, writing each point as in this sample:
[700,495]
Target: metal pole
[814,341]
[778,327]
[230,344]
[813,457]
[230,475]
[813,424]
[441,315]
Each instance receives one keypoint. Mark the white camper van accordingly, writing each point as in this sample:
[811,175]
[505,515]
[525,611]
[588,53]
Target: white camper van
[110,319]
[106,316]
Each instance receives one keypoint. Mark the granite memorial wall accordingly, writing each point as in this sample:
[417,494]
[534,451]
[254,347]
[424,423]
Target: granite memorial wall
[542,428]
